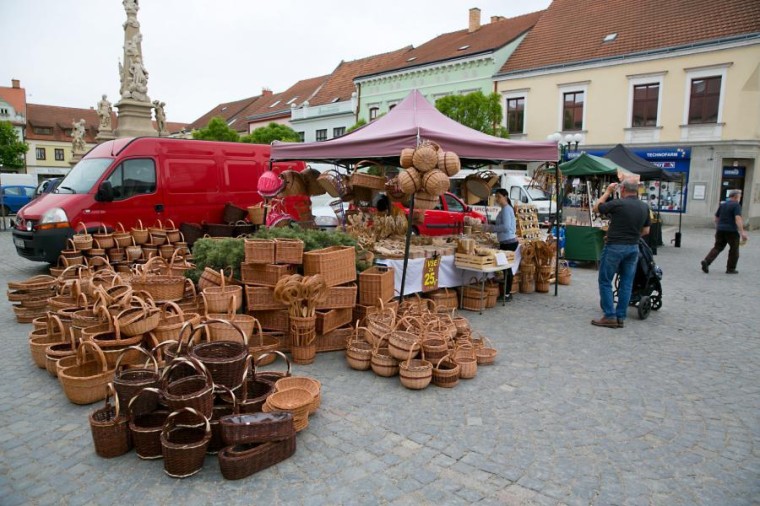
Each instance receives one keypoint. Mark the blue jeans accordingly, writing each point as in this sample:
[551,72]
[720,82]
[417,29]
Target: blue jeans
[617,259]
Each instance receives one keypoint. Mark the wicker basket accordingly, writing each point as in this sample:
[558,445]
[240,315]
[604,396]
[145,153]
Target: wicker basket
[409,180]
[415,374]
[303,347]
[435,182]
[297,401]
[486,355]
[261,298]
[446,373]
[145,426]
[259,251]
[256,427]
[128,382]
[263,344]
[264,274]
[382,362]
[219,298]
[161,287]
[334,183]
[406,159]
[256,213]
[189,391]
[423,201]
[425,157]
[364,180]
[464,356]
[337,264]
[224,360]
[449,162]
[85,382]
[277,319]
[288,251]
[473,298]
[110,428]
[339,297]
[184,446]
[103,237]
[313,386]
[376,283]
[358,351]
[233,213]
[242,460]
[121,238]
[82,240]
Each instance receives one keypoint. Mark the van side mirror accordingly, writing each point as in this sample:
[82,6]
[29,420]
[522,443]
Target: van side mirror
[105,192]
[524,199]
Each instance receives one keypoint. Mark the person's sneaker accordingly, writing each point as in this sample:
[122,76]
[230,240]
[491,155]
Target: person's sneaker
[621,323]
[610,323]
[705,267]
[732,271]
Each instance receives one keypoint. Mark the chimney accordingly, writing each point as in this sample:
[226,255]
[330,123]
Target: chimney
[15,83]
[474,20]
[266,92]
[494,19]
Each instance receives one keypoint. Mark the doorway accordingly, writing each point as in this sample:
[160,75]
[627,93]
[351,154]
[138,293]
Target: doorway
[732,179]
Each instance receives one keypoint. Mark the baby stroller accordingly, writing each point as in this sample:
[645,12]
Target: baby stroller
[646,293]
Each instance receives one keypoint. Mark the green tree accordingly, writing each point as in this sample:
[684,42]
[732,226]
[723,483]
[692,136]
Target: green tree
[356,125]
[272,132]
[476,110]
[11,148]
[217,130]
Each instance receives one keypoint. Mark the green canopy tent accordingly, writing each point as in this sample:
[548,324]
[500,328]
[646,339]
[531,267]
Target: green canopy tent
[590,165]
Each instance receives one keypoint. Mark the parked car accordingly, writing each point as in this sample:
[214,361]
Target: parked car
[15,197]
[48,185]
[445,219]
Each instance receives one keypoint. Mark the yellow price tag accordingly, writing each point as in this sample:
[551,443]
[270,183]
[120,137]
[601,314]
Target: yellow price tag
[430,274]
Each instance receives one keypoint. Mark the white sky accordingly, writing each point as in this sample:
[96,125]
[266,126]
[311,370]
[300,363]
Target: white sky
[200,53]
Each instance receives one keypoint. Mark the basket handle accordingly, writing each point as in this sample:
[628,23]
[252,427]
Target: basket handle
[111,393]
[99,357]
[133,399]
[172,224]
[438,365]
[169,424]
[174,307]
[141,350]
[120,226]
[225,322]
[84,227]
[235,407]
[277,353]
[195,364]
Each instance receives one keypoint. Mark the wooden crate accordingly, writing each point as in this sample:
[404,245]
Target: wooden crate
[474,261]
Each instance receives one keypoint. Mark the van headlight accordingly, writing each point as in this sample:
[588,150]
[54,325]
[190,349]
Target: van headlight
[54,215]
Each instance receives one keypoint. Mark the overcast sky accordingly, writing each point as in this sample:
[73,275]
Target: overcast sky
[200,53]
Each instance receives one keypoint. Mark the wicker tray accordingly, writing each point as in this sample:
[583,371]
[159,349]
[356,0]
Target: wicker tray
[256,427]
[239,461]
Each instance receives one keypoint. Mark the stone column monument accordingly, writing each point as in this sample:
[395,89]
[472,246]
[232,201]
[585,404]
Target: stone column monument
[135,107]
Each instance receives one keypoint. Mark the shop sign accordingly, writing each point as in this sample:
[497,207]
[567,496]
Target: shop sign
[430,273]
[733,172]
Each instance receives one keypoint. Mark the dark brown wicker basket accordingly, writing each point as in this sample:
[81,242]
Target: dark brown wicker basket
[233,213]
[184,446]
[240,461]
[188,392]
[129,382]
[145,427]
[110,428]
[191,232]
[224,360]
[257,427]
[225,403]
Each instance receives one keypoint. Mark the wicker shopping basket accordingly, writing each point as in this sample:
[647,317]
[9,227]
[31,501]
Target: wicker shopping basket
[110,428]
[184,446]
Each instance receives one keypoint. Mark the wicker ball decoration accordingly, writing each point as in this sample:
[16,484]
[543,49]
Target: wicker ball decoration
[424,201]
[449,162]
[409,180]
[435,182]
[426,156]
[406,159]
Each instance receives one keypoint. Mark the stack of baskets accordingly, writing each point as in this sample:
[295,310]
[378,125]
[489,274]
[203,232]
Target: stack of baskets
[427,169]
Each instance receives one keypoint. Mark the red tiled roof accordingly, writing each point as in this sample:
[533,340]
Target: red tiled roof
[277,104]
[61,119]
[340,84]
[573,30]
[228,111]
[16,97]
[488,37]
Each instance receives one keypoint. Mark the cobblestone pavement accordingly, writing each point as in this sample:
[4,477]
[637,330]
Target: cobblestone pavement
[665,411]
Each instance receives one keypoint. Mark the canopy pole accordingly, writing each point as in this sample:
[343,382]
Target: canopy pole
[677,240]
[556,227]
[406,249]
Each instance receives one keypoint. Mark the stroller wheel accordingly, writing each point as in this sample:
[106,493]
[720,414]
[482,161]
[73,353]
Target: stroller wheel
[656,301]
[644,307]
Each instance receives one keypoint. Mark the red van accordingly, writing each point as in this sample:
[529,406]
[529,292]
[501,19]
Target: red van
[446,218]
[145,178]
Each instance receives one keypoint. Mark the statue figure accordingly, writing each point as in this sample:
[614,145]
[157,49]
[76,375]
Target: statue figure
[131,7]
[158,108]
[138,86]
[77,135]
[104,113]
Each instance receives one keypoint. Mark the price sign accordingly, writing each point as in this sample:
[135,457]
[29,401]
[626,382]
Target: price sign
[430,274]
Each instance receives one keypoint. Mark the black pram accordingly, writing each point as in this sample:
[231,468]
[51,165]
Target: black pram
[646,293]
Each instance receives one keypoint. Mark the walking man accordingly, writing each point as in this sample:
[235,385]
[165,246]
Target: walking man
[728,228]
[629,220]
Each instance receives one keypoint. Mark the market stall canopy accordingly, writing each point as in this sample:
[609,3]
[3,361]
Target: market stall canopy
[414,120]
[629,160]
[590,165]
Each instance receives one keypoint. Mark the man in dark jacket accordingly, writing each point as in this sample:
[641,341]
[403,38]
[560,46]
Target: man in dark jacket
[629,220]
[729,227]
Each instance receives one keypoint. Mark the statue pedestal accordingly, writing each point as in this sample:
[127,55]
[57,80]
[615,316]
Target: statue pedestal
[75,157]
[105,135]
[135,119]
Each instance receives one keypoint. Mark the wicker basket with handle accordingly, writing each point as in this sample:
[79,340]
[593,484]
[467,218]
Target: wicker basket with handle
[415,374]
[218,297]
[110,428]
[184,446]
[85,382]
[224,360]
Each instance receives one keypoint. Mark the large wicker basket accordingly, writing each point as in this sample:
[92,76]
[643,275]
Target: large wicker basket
[337,264]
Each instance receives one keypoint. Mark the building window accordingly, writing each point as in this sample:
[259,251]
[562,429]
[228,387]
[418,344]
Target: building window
[301,135]
[516,115]
[322,135]
[572,110]
[43,130]
[339,131]
[4,112]
[373,113]
[40,152]
[58,154]
[646,98]
[704,100]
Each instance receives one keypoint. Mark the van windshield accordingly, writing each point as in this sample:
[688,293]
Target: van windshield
[84,175]
[537,194]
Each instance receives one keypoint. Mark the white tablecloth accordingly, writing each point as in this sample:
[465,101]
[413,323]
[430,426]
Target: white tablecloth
[449,275]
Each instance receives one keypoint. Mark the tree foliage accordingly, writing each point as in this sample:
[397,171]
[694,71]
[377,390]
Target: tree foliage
[476,110]
[11,148]
[356,125]
[272,132]
[217,130]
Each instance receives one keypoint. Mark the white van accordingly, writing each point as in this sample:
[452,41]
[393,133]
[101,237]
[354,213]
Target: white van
[517,184]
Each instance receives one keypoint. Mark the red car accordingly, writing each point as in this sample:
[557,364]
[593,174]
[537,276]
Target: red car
[446,219]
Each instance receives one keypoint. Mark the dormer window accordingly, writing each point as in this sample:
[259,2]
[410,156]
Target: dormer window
[610,37]
[291,100]
[275,103]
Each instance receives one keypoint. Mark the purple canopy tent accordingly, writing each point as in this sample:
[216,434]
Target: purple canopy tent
[411,121]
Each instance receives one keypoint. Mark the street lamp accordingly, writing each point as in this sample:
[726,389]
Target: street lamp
[566,144]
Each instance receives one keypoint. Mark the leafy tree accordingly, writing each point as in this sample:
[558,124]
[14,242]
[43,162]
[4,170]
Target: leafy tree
[356,125]
[476,110]
[217,130]
[11,148]
[272,132]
